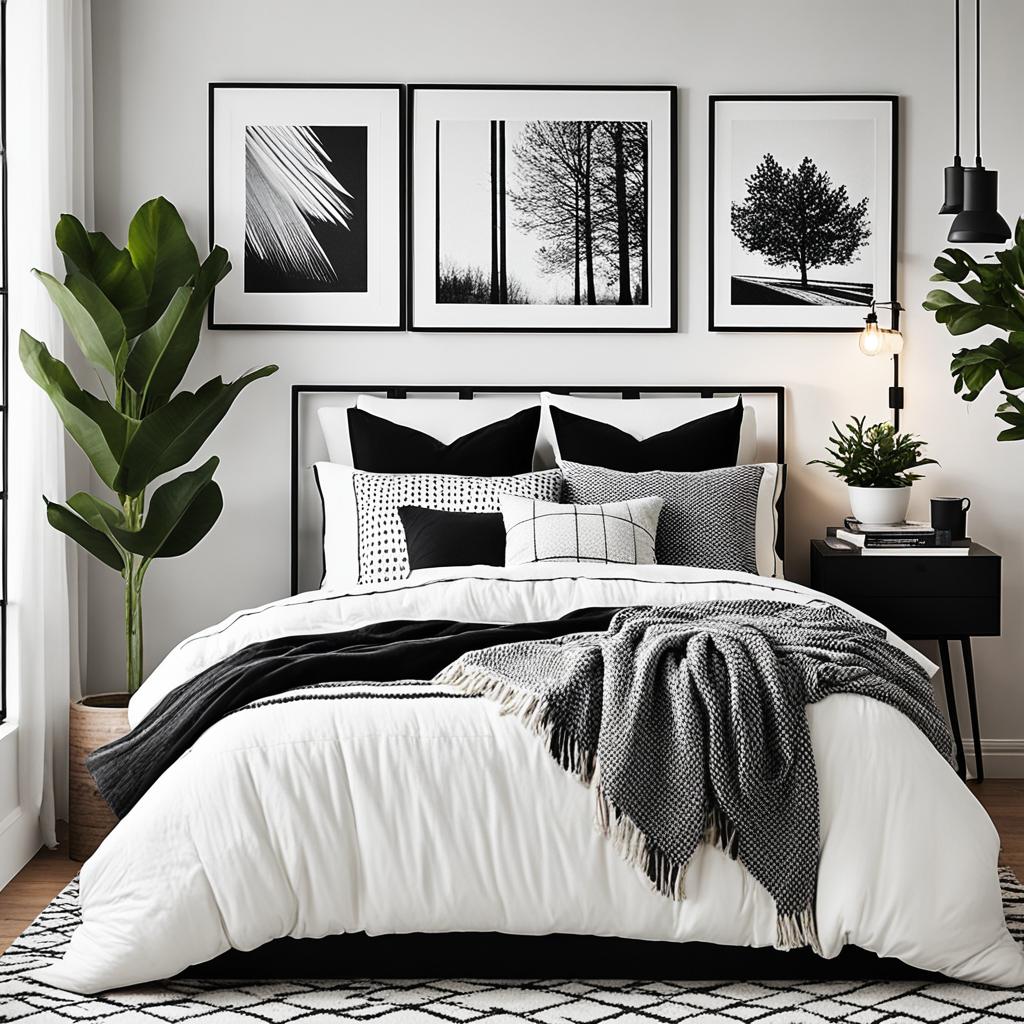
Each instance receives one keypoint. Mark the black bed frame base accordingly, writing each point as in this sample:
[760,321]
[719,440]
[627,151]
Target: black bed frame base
[492,955]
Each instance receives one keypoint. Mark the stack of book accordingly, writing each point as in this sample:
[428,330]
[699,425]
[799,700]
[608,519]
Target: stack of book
[895,539]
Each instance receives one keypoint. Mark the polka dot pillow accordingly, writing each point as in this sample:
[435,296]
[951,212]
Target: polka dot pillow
[364,542]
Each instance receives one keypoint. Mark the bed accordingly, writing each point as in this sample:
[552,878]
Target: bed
[324,805]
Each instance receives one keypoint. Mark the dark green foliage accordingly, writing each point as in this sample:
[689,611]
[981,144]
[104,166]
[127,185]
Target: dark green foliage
[136,314]
[873,457]
[995,298]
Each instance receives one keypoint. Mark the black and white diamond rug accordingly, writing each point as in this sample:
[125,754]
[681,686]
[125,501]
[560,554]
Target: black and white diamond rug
[493,1002]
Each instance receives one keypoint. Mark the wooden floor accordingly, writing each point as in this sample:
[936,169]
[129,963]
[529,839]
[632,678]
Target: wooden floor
[50,870]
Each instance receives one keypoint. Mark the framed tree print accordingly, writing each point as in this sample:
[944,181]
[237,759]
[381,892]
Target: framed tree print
[802,219]
[307,195]
[543,208]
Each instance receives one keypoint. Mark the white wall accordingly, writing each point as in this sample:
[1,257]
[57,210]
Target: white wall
[154,58]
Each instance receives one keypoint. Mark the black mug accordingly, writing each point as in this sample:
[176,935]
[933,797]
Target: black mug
[949,519]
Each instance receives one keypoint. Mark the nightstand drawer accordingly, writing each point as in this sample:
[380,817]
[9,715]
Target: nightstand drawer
[856,575]
[931,617]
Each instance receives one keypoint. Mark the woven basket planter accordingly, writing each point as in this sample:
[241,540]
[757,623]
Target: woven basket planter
[95,720]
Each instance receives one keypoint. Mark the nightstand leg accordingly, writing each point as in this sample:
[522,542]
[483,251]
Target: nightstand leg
[954,720]
[972,699]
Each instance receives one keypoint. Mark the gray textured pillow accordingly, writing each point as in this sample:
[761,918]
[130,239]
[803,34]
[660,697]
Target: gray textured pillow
[617,533]
[709,519]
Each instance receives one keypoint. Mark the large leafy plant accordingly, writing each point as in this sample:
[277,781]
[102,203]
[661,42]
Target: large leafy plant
[875,456]
[994,298]
[136,314]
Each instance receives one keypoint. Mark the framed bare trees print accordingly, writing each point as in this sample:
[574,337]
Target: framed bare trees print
[307,195]
[543,208]
[802,219]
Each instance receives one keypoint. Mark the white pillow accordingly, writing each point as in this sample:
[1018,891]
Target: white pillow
[364,541]
[647,416]
[443,418]
[718,519]
[616,533]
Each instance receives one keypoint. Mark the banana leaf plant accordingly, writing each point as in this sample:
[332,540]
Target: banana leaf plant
[994,298]
[136,314]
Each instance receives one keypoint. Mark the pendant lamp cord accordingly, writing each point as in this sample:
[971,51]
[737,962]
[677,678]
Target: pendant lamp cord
[977,83]
[956,36]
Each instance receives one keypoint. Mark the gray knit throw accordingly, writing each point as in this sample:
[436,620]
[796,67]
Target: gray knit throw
[689,724]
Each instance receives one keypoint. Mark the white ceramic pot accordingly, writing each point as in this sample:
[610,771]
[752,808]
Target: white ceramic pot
[880,506]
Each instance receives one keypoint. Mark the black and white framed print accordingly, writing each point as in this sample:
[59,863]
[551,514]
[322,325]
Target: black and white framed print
[543,208]
[307,196]
[802,218]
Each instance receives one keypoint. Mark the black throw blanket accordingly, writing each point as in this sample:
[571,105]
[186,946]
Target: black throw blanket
[386,651]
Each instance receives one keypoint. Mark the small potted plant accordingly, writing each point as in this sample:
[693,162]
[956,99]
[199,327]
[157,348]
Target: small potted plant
[136,314]
[876,463]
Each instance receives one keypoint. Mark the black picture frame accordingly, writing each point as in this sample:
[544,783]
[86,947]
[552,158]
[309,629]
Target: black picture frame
[893,102]
[400,322]
[672,324]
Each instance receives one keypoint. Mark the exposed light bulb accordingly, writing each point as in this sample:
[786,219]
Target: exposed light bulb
[872,339]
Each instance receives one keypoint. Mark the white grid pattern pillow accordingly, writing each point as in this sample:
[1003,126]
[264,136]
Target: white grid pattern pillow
[620,532]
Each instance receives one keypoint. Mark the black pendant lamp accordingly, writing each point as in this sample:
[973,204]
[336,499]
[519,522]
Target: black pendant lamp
[954,176]
[979,221]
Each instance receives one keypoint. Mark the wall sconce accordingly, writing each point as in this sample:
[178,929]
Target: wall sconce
[876,341]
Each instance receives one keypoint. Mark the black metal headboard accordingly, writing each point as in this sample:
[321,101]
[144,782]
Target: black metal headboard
[467,393]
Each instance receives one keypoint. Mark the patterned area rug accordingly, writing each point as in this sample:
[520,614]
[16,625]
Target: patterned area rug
[494,1002]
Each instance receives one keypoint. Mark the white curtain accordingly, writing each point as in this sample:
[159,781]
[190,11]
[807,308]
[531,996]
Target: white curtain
[49,132]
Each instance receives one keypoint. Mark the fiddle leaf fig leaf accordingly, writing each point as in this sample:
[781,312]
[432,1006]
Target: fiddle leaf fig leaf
[1011,411]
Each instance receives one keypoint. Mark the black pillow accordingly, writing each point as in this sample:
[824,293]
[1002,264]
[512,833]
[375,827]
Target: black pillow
[504,448]
[436,539]
[710,442]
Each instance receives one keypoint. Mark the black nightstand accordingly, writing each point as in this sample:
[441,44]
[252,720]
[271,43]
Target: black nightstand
[923,597]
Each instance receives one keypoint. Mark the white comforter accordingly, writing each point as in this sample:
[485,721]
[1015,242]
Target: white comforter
[323,816]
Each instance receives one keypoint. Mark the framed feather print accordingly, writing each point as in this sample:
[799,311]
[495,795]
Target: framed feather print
[307,195]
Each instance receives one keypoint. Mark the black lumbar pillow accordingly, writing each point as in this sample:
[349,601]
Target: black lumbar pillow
[436,539]
[504,448]
[710,442]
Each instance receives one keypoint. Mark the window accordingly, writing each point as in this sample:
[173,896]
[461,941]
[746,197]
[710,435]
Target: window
[3,360]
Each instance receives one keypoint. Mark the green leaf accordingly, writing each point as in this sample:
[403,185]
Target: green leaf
[94,256]
[181,512]
[99,514]
[170,436]
[1011,411]
[175,359]
[171,363]
[985,316]
[937,298]
[98,429]
[104,314]
[147,352]
[163,253]
[79,321]
[88,537]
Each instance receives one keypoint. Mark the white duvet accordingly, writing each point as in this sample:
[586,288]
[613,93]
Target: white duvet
[321,816]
